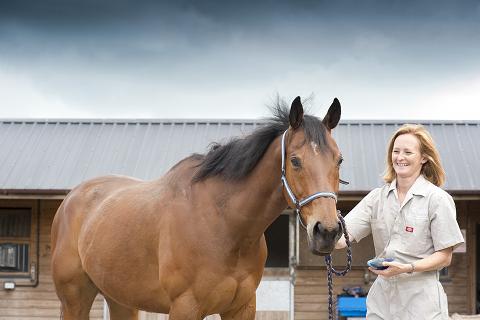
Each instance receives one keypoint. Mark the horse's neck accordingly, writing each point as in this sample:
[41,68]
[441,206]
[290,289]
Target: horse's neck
[258,200]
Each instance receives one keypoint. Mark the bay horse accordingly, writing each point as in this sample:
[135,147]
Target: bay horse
[191,243]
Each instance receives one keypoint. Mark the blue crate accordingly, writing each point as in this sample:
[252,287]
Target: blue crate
[352,306]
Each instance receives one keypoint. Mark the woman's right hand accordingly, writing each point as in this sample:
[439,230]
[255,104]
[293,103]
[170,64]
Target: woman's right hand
[341,243]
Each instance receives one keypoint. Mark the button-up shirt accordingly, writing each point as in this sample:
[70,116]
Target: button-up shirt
[424,223]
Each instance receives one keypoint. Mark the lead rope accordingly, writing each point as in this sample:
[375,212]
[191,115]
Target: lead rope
[331,269]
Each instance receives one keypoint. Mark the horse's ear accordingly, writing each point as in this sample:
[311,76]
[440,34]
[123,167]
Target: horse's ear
[333,115]
[296,113]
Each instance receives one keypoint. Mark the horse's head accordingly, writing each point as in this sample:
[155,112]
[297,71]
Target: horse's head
[311,174]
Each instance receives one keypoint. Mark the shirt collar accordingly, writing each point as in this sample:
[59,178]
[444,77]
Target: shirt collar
[393,186]
[418,188]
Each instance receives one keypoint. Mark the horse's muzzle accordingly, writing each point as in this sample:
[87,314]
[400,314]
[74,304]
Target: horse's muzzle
[322,241]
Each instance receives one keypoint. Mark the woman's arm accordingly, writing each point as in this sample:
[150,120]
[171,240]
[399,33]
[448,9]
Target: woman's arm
[435,261]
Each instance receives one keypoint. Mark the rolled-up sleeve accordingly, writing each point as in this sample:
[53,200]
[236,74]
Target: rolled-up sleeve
[444,226]
[359,218]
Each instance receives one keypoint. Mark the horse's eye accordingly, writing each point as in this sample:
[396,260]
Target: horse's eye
[296,163]
[340,161]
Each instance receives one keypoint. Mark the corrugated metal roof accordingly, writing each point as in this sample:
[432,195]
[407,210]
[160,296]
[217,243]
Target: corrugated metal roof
[55,155]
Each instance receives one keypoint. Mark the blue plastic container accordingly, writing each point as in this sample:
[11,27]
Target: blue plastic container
[352,307]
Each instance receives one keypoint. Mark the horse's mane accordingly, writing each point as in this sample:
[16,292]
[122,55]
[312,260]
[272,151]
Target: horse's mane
[237,158]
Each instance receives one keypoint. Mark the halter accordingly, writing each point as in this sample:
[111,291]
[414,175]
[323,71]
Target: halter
[302,202]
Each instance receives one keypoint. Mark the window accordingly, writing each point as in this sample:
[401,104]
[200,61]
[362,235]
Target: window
[14,257]
[18,242]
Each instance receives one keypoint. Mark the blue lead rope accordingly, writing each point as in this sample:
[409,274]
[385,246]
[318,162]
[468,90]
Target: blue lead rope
[331,270]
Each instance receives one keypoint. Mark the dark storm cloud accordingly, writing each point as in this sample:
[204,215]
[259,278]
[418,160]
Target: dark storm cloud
[90,50]
[75,12]
[169,32]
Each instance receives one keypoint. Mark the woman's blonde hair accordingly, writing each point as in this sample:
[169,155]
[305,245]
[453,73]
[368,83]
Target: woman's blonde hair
[432,170]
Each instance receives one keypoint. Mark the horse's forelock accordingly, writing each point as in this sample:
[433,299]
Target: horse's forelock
[315,131]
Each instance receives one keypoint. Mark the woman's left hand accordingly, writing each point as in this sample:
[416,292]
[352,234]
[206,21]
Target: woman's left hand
[394,268]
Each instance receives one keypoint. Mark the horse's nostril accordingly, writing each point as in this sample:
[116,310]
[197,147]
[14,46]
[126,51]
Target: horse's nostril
[319,232]
[318,229]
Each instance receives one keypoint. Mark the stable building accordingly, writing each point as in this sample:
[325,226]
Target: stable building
[41,160]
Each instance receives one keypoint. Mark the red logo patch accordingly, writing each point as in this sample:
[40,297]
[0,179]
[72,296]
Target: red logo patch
[409,229]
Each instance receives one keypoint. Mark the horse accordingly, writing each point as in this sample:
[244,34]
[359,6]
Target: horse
[191,243]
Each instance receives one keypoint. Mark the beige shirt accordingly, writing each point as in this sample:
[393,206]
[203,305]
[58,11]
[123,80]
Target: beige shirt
[424,223]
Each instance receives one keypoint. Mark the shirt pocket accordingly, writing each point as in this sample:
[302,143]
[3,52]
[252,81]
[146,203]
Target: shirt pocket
[415,234]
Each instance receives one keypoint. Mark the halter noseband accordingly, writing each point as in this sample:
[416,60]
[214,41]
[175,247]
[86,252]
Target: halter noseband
[302,202]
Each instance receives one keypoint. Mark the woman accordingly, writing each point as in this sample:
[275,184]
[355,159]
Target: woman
[412,221]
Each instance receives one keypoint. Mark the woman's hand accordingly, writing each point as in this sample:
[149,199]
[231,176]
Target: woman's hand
[394,268]
[342,243]
[435,261]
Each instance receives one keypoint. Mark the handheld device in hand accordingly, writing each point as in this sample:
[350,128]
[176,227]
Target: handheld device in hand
[376,263]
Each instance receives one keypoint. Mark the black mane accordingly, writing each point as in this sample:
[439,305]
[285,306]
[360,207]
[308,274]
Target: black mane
[236,159]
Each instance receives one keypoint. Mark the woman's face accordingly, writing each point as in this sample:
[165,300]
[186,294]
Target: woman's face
[407,160]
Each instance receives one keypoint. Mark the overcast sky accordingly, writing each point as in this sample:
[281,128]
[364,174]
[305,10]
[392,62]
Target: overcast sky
[229,59]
